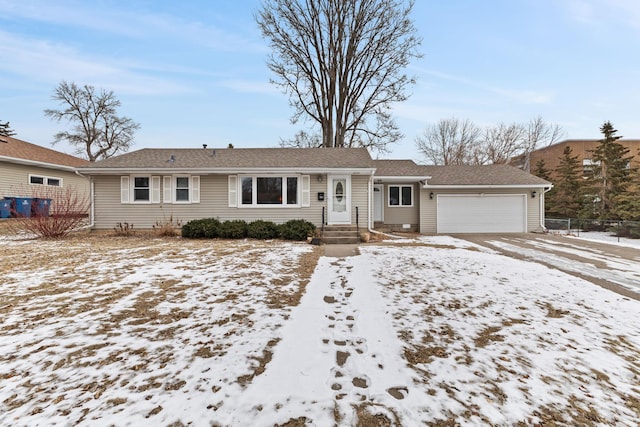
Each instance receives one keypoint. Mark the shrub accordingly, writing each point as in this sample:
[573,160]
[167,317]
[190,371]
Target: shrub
[167,227]
[201,228]
[297,229]
[64,211]
[123,229]
[236,229]
[262,230]
[627,229]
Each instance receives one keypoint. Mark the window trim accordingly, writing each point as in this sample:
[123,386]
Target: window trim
[132,183]
[174,189]
[45,180]
[400,187]
[254,191]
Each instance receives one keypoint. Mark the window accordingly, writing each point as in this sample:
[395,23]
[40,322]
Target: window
[141,189]
[269,190]
[588,167]
[45,180]
[401,195]
[182,189]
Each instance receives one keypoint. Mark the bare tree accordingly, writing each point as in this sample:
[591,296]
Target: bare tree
[303,139]
[97,133]
[501,142]
[342,64]
[449,142]
[5,130]
[540,133]
[452,141]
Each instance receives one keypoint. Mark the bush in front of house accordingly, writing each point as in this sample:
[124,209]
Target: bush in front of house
[201,228]
[262,230]
[297,229]
[235,229]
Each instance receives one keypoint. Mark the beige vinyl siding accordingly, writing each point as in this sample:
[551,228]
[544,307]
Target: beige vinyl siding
[398,215]
[428,207]
[360,199]
[214,203]
[14,180]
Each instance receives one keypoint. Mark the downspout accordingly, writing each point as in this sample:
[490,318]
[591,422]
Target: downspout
[544,228]
[91,202]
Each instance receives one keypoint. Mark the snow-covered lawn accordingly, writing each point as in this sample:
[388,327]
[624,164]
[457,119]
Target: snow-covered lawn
[435,331]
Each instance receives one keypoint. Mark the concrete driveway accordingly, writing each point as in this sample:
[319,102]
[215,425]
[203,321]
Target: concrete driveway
[613,267]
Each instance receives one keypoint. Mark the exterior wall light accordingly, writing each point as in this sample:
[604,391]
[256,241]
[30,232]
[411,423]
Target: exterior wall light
[533,194]
[431,195]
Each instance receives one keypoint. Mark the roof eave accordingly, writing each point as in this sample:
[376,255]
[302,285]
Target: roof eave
[224,171]
[28,162]
[397,178]
[483,186]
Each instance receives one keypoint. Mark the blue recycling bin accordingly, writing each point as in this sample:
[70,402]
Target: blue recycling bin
[40,206]
[5,208]
[23,206]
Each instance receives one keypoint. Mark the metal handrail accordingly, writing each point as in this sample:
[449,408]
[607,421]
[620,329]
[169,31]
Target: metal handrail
[322,226]
[357,219]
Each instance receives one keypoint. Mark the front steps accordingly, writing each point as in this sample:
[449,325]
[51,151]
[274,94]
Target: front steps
[340,235]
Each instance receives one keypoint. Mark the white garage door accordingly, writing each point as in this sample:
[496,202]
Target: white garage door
[489,213]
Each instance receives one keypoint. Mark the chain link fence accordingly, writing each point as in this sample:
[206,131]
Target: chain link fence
[630,229]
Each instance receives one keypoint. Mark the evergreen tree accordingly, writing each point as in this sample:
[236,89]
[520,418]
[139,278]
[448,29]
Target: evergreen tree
[566,198]
[627,204]
[610,172]
[5,130]
[541,170]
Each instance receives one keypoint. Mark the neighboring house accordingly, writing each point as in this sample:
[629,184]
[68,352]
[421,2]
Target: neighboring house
[337,185]
[582,148]
[27,169]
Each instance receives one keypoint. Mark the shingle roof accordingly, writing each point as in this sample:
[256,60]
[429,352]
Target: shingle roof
[18,149]
[398,168]
[241,158]
[459,175]
[481,175]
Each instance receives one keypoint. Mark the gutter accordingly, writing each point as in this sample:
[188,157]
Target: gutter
[225,171]
[27,162]
[546,190]
[91,202]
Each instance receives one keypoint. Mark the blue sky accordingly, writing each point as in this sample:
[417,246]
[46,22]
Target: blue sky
[194,72]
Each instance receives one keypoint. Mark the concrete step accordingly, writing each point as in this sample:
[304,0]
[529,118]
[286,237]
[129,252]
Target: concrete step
[340,234]
[342,240]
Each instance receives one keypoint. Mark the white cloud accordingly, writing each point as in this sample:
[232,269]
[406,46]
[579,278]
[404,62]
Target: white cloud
[247,86]
[47,62]
[524,96]
[130,23]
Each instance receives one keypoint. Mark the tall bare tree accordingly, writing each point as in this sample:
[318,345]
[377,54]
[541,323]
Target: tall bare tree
[449,142]
[342,64]
[98,132]
[5,130]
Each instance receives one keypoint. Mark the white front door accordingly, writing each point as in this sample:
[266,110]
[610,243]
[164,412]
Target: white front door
[339,205]
[378,202]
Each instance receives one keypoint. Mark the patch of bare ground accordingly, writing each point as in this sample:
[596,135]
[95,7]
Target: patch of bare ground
[370,414]
[261,365]
[294,422]
[488,335]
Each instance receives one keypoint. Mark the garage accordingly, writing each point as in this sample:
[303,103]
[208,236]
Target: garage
[483,213]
